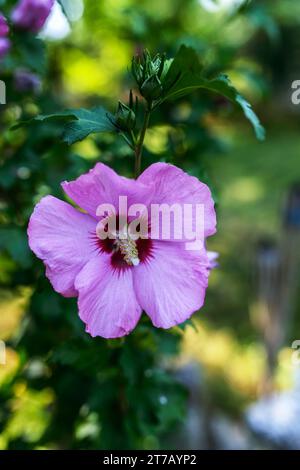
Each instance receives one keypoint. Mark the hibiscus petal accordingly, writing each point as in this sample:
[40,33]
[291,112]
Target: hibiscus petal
[107,302]
[62,281]
[62,237]
[213,259]
[101,185]
[174,186]
[171,285]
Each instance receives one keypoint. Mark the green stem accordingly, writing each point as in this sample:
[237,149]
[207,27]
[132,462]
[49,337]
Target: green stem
[139,146]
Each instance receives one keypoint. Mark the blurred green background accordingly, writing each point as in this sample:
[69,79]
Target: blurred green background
[60,388]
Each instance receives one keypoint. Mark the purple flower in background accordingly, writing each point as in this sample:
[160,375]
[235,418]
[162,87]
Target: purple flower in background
[4,29]
[4,47]
[4,41]
[31,15]
[25,81]
[115,279]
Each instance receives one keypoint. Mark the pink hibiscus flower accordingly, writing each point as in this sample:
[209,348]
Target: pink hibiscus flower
[115,280]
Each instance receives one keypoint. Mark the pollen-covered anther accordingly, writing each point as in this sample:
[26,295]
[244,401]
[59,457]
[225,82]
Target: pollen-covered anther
[129,251]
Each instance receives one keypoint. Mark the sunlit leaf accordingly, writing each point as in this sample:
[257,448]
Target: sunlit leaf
[186,75]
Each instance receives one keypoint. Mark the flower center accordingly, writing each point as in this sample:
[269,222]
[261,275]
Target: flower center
[128,249]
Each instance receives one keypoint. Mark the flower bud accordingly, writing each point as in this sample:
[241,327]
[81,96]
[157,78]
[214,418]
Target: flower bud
[149,74]
[125,117]
[151,88]
[31,15]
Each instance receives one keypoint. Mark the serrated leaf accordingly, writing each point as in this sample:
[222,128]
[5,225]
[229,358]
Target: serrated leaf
[88,122]
[67,114]
[184,66]
[223,86]
[186,75]
[79,122]
[64,115]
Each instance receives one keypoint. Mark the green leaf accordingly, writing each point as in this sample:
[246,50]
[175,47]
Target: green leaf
[88,122]
[186,75]
[184,67]
[67,114]
[223,86]
[63,115]
[79,123]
